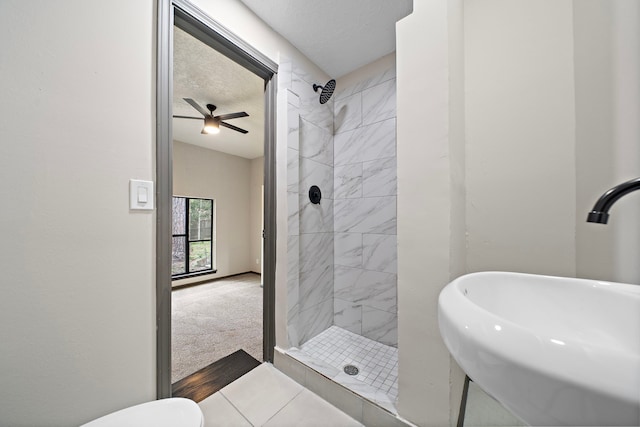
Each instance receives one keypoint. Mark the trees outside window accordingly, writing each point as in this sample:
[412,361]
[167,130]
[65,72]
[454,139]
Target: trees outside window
[192,239]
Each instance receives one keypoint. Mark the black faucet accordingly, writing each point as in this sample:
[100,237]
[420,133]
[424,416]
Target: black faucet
[600,211]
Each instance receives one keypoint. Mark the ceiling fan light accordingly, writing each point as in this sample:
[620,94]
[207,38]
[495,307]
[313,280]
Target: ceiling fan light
[211,126]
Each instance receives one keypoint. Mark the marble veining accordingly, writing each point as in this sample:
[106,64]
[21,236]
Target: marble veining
[315,218]
[347,182]
[310,227]
[316,251]
[316,286]
[379,102]
[293,294]
[293,336]
[380,325]
[293,250]
[293,183]
[372,142]
[315,173]
[310,108]
[302,73]
[294,101]
[380,252]
[345,91]
[348,113]
[365,189]
[316,143]
[379,177]
[315,320]
[366,215]
[293,125]
[373,288]
[347,246]
[347,315]
[348,249]
[293,214]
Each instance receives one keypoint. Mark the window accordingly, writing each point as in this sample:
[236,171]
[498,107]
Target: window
[192,228]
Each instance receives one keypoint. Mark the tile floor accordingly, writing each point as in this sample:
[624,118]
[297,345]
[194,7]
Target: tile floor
[332,349]
[267,397]
[484,411]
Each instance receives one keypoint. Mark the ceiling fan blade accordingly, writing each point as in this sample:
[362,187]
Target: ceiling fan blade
[187,117]
[197,106]
[232,116]
[237,129]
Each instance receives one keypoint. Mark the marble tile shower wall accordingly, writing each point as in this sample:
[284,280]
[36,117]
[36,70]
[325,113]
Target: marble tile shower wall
[310,229]
[364,193]
[293,218]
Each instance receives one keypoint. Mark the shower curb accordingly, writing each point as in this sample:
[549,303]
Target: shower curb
[338,395]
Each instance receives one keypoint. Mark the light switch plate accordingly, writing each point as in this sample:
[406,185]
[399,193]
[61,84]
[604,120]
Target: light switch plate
[141,195]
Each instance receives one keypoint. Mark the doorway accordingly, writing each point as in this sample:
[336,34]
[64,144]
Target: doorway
[181,22]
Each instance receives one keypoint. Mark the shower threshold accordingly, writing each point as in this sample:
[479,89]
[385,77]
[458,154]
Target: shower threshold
[377,364]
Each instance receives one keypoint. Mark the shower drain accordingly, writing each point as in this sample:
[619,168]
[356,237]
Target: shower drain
[351,370]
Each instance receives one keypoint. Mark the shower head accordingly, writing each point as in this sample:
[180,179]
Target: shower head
[327,90]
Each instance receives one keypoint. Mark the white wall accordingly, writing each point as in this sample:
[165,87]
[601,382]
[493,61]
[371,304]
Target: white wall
[426,197]
[77,312]
[78,303]
[227,179]
[257,213]
[520,159]
[550,107]
[552,104]
[457,119]
[607,66]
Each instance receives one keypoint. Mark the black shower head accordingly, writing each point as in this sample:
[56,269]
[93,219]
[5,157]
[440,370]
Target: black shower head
[327,90]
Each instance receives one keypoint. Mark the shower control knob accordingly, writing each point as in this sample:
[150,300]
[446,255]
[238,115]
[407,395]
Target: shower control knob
[315,194]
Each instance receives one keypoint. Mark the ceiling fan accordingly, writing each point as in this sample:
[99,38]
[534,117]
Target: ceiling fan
[212,123]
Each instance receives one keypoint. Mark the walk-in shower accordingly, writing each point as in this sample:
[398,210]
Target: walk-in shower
[341,188]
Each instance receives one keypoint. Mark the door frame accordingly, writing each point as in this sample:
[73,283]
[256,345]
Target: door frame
[195,21]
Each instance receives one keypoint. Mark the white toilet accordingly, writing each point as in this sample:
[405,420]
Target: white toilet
[173,412]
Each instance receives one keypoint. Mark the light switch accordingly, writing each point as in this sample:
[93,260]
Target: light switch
[140,195]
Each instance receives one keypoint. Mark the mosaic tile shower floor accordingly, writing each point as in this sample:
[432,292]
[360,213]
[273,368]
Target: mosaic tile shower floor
[331,350]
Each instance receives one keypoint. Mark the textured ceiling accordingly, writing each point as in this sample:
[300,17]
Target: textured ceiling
[339,36]
[208,77]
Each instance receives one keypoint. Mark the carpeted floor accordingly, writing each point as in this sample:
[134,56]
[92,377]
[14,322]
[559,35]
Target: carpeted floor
[212,320]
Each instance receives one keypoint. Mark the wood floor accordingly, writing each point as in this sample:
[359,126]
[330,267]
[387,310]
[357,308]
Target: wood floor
[202,384]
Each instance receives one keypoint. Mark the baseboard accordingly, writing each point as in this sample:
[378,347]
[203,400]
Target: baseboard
[212,279]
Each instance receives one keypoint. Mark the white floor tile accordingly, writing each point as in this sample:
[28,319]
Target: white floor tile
[261,393]
[309,410]
[218,412]
[377,363]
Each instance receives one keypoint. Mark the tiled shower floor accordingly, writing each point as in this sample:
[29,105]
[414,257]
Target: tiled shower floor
[332,349]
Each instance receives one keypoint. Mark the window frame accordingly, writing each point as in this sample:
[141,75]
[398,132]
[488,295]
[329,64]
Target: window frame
[188,241]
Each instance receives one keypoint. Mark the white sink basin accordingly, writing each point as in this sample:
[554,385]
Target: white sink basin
[553,350]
